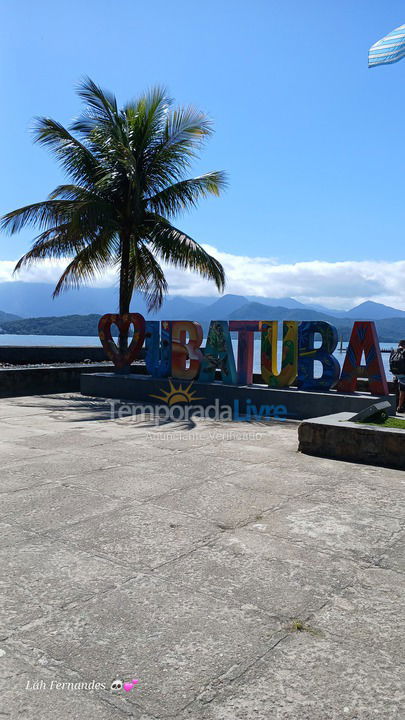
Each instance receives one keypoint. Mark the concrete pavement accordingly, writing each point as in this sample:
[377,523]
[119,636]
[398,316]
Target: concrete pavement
[233,577]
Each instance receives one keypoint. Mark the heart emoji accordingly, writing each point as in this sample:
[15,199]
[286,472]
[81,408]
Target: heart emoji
[123,323]
[129,685]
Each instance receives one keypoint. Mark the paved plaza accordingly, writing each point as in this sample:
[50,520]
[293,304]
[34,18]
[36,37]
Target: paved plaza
[232,577]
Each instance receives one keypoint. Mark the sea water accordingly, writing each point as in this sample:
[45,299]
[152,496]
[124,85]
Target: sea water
[93,340]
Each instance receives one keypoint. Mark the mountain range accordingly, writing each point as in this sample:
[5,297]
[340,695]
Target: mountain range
[77,313]
[35,300]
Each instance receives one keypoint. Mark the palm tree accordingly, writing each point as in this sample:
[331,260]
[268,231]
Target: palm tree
[127,168]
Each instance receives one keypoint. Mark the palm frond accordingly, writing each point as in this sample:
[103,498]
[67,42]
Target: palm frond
[56,242]
[83,201]
[186,127]
[186,193]
[145,118]
[181,138]
[76,159]
[147,276]
[38,214]
[103,127]
[89,262]
[176,248]
[100,108]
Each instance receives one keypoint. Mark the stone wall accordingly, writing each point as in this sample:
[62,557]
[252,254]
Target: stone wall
[336,437]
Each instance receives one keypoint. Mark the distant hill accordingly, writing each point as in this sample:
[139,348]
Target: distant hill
[388,329]
[65,325]
[221,308]
[391,329]
[370,310]
[23,299]
[259,311]
[286,302]
[7,317]
[35,299]
[328,311]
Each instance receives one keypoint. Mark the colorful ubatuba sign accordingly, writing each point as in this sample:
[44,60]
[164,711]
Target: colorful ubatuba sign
[173,349]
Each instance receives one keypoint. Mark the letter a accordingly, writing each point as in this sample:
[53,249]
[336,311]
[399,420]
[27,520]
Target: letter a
[363,339]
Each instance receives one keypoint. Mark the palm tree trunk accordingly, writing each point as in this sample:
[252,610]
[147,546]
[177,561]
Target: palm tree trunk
[125,290]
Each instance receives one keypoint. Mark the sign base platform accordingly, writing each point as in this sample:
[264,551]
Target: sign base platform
[250,400]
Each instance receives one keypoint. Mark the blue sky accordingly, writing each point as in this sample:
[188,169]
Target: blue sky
[313,140]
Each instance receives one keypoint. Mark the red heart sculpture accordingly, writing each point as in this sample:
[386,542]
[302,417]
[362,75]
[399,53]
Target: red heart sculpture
[123,323]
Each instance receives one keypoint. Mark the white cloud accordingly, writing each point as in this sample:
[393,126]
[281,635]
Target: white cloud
[338,285]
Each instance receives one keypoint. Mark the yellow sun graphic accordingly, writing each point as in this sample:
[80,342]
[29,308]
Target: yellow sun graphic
[177,395]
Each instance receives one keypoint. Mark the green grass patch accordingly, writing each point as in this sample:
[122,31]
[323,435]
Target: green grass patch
[299,626]
[391,422]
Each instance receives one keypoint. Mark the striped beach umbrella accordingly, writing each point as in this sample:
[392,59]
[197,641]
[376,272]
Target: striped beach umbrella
[389,49]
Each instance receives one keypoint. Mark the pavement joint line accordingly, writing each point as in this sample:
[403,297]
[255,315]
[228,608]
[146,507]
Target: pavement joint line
[80,601]
[153,570]
[27,487]
[61,667]
[325,551]
[15,422]
[230,681]
[309,496]
[25,464]
[277,619]
[144,500]
[17,647]
[104,556]
[393,538]
[333,505]
[53,611]
[10,465]
[211,542]
[95,491]
[300,543]
[32,531]
[187,553]
[328,601]
[32,446]
[310,616]
[123,712]
[67,525]
[221,524]
[16,523]
[385,568]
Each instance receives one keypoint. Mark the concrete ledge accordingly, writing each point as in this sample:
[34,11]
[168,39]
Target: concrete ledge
[50,354]
[299,404]
[335,437]
[37,354]
[15,382]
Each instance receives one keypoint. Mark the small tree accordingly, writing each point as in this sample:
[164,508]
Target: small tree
[127,168]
